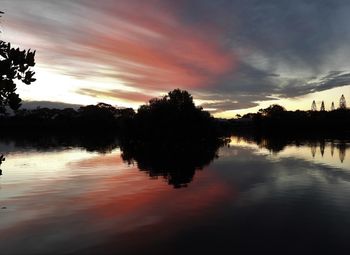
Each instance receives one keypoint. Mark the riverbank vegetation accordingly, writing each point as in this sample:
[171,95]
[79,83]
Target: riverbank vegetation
[277,121]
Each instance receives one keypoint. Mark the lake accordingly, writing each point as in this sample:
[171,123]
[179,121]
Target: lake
[246,197]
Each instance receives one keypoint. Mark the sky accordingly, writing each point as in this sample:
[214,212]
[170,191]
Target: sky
[233,56]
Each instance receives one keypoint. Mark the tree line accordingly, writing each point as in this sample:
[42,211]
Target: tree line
[91,117]
[173,116]
[276,120]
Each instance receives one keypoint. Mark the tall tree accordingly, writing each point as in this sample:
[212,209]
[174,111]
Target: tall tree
[174,116]
[313,106]
[15,65]
[342,102]
[322,109]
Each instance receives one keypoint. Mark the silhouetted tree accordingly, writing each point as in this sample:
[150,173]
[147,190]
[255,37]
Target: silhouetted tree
[276,120]
[332,147]
[272,110]
[2,158]
[172,117]
[342,102]
[313,106]
[171,137]
[342,151]
[176,162]
[322,147]
[322,109]
[14,65]
[101,112]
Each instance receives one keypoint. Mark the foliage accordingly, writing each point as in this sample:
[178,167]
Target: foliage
[275,119]
[2,158]
[93,142]
[332,107]
[14,65]
[173,116]
[91,117]
[272,110]
[313,106]
[176,162]
[342,103]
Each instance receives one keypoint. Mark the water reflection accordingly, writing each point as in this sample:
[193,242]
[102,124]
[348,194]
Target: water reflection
[2,158]
[323,150]
[342,151]
[322,147]
[77,201]
[253,199]
[102,143]
[176,162]
[332,145]
[313,148]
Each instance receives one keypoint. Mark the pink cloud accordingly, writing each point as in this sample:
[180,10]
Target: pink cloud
[158,50]
[144,45]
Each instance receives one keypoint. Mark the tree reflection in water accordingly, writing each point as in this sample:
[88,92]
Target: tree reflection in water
[313,147]
[340,145]
[322,147]
[342,151]
[174,161]
[2,158]
[276,144]
[92,142]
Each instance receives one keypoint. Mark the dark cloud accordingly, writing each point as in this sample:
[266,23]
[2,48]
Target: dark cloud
[226,105]
[333,79]
[282,45]
[299,87]
[297,33]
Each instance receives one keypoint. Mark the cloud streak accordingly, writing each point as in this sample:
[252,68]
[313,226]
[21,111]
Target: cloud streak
[149,48]
[116,94]
[237,53]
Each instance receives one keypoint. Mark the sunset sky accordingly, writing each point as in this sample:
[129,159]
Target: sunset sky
[233,56]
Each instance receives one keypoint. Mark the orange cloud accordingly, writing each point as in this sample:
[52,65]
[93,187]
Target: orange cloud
[117,94]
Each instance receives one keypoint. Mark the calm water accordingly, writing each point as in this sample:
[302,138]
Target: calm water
[69,200]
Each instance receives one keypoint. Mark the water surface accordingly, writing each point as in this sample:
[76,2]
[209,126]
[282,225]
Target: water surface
[291,199]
